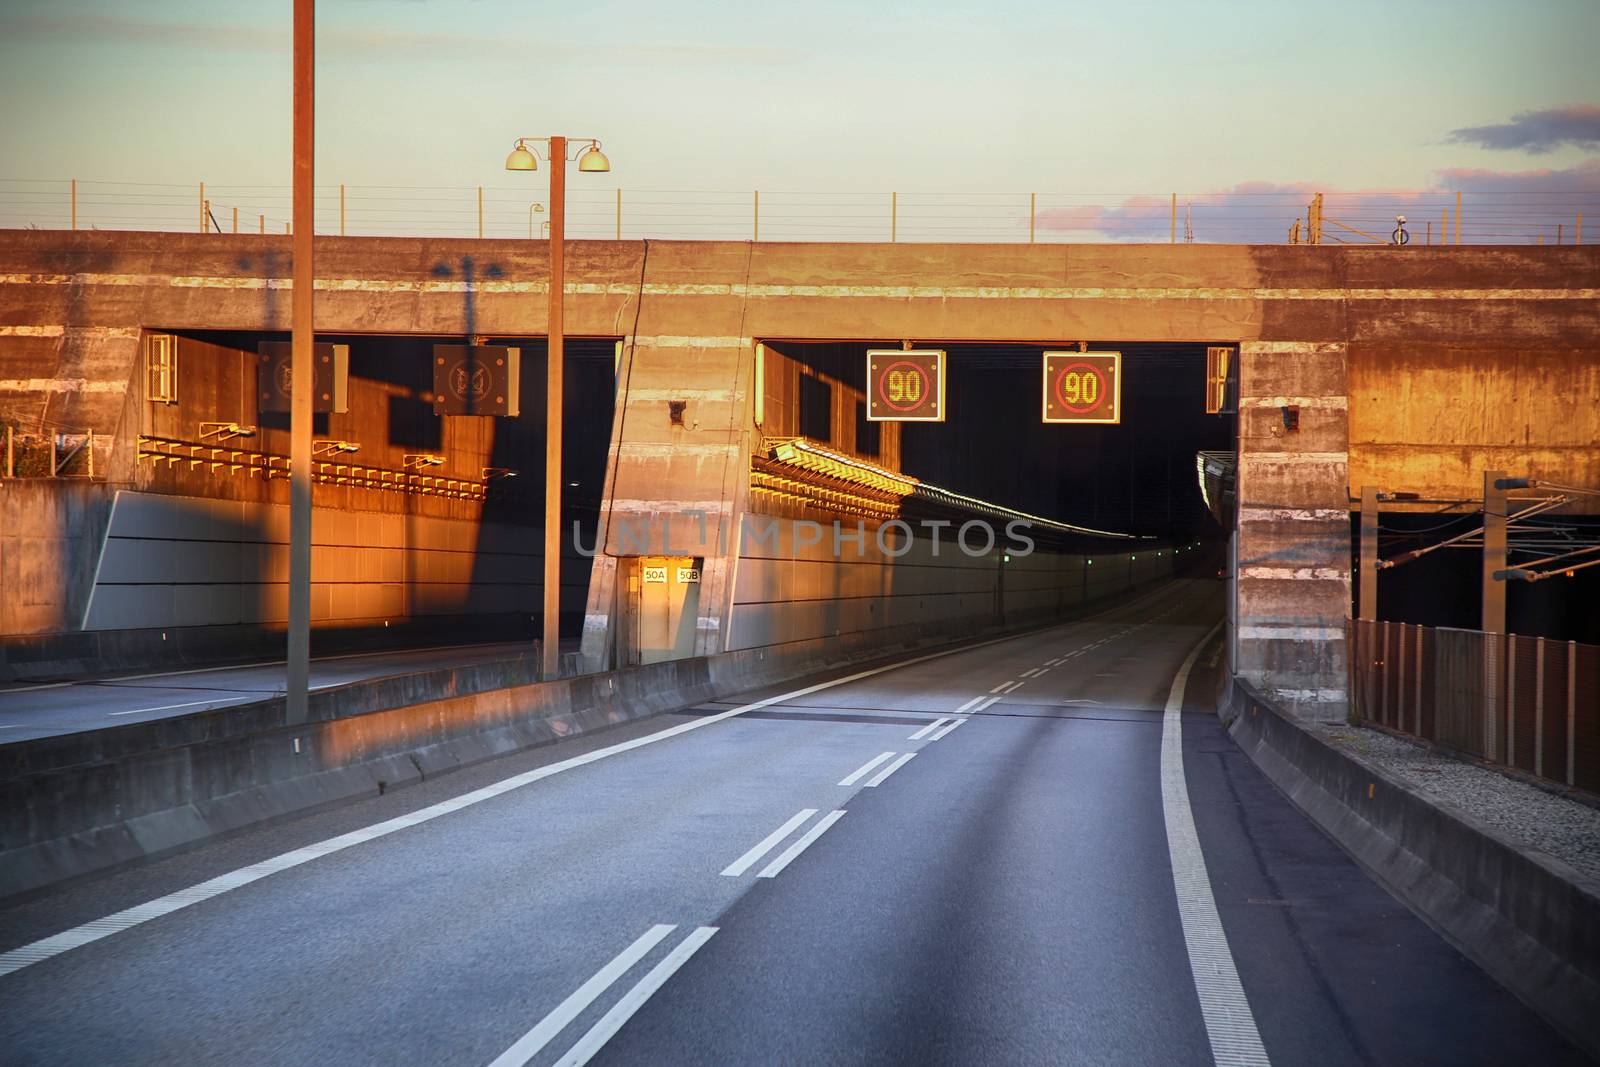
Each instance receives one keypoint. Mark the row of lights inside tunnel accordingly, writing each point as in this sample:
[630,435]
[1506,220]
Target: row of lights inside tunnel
[1090,562]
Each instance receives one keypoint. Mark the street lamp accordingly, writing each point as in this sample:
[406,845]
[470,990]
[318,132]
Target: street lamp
[533,207]
[524,157]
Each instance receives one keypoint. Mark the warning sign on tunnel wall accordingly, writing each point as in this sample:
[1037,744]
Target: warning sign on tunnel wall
[1083,387]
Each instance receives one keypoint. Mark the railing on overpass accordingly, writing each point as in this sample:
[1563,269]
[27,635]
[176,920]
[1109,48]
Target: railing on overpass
[1254,216]
[1529,703]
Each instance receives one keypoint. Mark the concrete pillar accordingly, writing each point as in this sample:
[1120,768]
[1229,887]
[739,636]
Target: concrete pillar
[1293,533]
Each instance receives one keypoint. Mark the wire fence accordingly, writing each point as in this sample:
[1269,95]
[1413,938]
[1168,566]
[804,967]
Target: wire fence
[1433,217]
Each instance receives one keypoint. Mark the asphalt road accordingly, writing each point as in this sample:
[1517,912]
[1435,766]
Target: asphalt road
[783,885]
[28,711]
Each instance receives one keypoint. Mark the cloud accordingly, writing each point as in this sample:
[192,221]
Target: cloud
[1538,131]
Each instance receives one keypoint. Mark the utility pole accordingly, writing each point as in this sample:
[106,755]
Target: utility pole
[1493,620]
[298,658]
[554,388]
[1368,608]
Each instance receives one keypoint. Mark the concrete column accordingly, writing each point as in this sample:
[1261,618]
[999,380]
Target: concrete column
[1294,525]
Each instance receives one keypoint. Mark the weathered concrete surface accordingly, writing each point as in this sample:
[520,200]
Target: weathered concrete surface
[1319,329]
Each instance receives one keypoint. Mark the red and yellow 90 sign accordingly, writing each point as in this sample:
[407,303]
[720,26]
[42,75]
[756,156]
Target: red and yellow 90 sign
[905,386]
[1083,387]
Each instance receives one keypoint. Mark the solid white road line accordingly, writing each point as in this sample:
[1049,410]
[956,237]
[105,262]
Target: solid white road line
[946,730]
[988,702]
[866,768]
[928,729]
[1230,1025]
[768,843]
[772,869]
[878,778]
[634,999]
[963,709]
[89,932]
[528,1045]
[164,707]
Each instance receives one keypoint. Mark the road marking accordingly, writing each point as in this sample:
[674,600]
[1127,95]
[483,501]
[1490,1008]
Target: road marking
[963,709]
[866,768]
[1001,688]
[1034,673]
[989,702]
[87,933]
[928,729]
[1052,662]
[164,707]
[768,843]
[1230,1025]
[946,730]
[1042,672]
[878,778]
[634,999]
[1080,700]
[528,1045]
[772,869]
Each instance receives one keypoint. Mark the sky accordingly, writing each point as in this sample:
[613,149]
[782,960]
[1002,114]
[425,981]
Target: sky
[993,100]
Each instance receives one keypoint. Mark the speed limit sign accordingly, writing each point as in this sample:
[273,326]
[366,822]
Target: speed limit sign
[1083,387]
[905,386]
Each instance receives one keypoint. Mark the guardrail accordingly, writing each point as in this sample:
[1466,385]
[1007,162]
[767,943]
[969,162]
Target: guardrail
[1523,702]
[599,212]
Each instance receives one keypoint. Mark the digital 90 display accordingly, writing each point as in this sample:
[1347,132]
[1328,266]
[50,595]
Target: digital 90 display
[1083,387]
[905,386]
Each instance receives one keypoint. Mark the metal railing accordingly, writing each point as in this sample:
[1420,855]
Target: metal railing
[1525,702]
[597,212]
[58,454]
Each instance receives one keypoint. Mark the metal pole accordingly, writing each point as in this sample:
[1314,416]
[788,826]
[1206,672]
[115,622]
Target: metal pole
[619,213]
[1444,225]
[1493,618]
[202,207]
[236,220]
[757,236]
[341,209]
[1577,231]
[300,367]
[262,221]
[1174,218]
[553,396]
[1369,552]
[74,203]
[1033,213]
[1458,216]
[894,217]
[11,455]
[480,212]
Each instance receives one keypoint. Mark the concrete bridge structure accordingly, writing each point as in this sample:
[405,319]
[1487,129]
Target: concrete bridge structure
[1415,369]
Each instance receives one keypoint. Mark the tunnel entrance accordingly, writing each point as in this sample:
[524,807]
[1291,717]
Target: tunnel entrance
[1139,476]
[428,528]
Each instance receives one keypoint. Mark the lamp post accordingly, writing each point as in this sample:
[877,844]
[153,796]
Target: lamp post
[297,656]
[592,161]
[531,209]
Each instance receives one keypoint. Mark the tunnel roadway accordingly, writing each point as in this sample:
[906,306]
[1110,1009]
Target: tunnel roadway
[965,858]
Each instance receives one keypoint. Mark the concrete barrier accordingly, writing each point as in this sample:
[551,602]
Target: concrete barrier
[1530,921]
[84,802]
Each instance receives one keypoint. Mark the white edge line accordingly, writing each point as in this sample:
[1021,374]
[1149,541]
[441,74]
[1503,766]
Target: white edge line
[928,729]
[164,707]
[529,1044]
[1230,1024]
[76,937]
[968,705]
[788,855]
[878,778]
[612,1021]
[946,730]
[865,769]
[768,843]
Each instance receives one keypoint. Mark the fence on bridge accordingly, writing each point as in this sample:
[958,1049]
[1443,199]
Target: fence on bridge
[1523,702]
[600,211]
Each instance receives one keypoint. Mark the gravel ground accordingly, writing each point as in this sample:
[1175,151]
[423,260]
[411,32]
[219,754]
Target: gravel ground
[1565,829]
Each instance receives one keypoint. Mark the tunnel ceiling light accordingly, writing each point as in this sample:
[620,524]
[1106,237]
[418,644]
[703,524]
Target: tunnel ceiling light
[522,158]
[593,161]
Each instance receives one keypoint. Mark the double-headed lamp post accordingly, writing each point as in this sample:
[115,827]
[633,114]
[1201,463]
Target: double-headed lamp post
[591,161]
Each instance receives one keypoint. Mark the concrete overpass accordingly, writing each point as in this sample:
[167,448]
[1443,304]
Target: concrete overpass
[1369,345]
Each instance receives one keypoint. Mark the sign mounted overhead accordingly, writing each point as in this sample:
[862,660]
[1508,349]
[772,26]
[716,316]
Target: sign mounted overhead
[329,382]
[905,386]
[1083,387]
[476,380]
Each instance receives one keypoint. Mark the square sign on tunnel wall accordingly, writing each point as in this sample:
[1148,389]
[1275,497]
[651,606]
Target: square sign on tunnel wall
[330,376]
[476,380]
[905,386]
[1083,387]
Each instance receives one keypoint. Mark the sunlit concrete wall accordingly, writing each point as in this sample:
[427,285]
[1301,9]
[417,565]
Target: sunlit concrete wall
[1343,329]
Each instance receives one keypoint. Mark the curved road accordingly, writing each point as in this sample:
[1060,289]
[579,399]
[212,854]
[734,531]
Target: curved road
[884,867]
